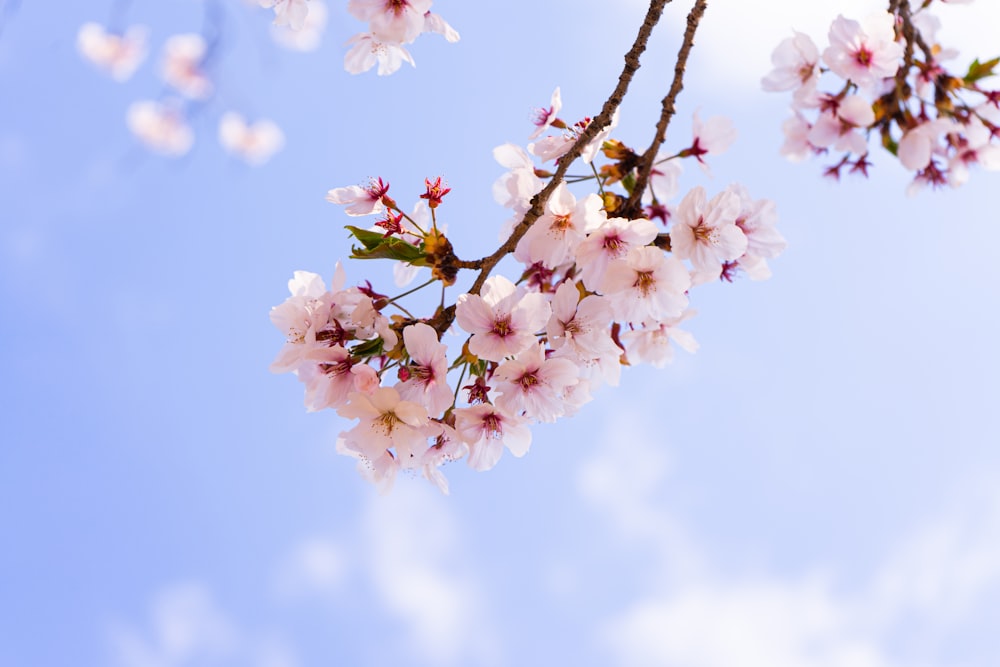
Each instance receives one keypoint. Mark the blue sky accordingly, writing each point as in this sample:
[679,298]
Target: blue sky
[817,486]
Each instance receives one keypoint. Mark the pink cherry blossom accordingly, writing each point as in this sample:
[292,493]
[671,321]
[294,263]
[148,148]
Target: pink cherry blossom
[796,146]
[757,220]
[515,189]
[360,200]
[436,24]
[386,422]
[553,238]
[331,374]
[917,145]
[427,372]
[533,385]
[544,117]
[579,324]
[292,13]
[118,55]
[712,137]
[647,285]
[973,141]
[651,343]
[395,21]
[796,66]
[487,429]
[503,320]
[610,241]
[309,34]
[864,52]
[368,51]
[447,446]
[706,233]
[838,127]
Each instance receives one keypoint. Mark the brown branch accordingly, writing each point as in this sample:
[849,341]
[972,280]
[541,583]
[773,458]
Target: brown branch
[633,206]
[486,264]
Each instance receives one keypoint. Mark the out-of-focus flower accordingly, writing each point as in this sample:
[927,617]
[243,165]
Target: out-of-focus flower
[306,37]
[162,128]
[292,13]
[118,55]
[254,143]
[183,56]
[369,50]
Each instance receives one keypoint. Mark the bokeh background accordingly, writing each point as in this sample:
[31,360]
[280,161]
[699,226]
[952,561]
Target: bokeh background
[819,486]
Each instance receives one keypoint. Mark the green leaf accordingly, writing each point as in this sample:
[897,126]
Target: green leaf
[376,246]
[978,70]
[369,348]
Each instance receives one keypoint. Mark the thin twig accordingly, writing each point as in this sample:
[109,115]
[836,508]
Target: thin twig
[486,264]
[634,204]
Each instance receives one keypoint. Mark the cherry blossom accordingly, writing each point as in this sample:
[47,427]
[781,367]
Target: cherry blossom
[360,200]
[183,57]
[651,342]
[712,137]
[487,430]
[610,241]
[796,66]
[864,52]
[118,55]
[545,117]
[308,35]
[292,13]
[386,422]
[705,232]
[532,385]
[647,285]
[399,21]
[554,237]
[503,320]
[368,50]
[254,143]
[161,127]
[425,380]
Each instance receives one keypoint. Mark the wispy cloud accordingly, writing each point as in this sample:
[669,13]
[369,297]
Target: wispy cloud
[702,616]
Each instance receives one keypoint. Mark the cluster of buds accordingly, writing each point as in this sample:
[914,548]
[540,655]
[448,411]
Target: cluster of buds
[162,125]
[601,285]
[887,79]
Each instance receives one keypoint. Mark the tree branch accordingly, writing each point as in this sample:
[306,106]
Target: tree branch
[633,206]
[486,264]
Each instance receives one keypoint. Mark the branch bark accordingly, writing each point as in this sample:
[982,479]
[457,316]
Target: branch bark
[633,206]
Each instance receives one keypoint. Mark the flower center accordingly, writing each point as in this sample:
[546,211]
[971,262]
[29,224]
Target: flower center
[501,327]
[645,282]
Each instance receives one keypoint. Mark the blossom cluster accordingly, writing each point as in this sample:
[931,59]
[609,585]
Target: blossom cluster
[597,288]
[886,78]
[391,25]
[185,67]
[188,60]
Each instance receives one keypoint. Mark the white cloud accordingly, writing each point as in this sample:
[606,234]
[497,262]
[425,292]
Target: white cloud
[420,576]
[187,628]
[315,566]
[704,617]
[736,38]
